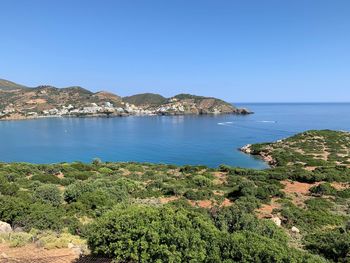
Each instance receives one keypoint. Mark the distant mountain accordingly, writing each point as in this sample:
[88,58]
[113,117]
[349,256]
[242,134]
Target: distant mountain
[21,102]
[145,99]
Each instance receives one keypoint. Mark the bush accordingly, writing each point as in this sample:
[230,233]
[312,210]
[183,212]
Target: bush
[48,194]
[12,209]
[236,218]
[249,247]
[332,244]
[43,216]
[148,234]
[202,181]
[323,189]
[18,239]
[198,195]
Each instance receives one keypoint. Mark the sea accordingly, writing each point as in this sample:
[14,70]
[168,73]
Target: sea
[181,140]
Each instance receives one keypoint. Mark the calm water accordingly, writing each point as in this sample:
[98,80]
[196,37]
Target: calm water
[209,140]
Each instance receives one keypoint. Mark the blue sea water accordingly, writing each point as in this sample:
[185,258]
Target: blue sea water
[208,140]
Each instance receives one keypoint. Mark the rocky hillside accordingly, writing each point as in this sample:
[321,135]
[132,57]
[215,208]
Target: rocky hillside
[183,104]
[310,149]
[21,102]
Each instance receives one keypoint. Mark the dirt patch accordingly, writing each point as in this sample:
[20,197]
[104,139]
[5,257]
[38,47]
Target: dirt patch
[220,178]
[59,175]
[298,192]
[36,101]
[292,187]
[310,168]
[340,186]
[165,200]
[202,203]
[226,202]
[32,253]
[265,211]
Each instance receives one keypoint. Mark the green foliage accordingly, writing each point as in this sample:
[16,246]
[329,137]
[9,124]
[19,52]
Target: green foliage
[249,247]
[42,216]
[48,194]
[146,234]
[145,99]
[332,244]
[323,189]
[198,195]
[316,216]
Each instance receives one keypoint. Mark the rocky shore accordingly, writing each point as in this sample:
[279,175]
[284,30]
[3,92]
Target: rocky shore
[263,155]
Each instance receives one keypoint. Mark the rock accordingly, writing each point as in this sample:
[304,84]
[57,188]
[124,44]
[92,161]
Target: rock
[295,230]
[18,229]
[246,149]
[70,245]
[276,220]
[3,255]
[5,227]
[77,249]
[244,111]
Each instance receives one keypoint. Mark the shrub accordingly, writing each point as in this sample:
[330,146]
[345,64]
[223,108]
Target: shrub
[198,195]
[323,189]
[12,209]
[19,239]
[202,181]
[48,194]
[148,234]
[42,216]
[332,244]
[249,247]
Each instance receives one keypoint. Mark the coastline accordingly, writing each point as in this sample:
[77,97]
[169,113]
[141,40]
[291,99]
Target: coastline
[104,115]
[264,156]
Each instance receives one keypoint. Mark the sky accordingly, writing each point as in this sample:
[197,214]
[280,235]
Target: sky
[237,50]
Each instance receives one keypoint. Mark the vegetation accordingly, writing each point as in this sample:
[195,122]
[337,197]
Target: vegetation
[141,212]
[145,99]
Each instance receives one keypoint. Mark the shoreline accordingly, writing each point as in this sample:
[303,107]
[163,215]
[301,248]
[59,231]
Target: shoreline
[103,115]
[268,159]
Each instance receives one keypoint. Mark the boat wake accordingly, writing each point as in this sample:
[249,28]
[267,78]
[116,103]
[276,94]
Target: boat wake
[227,123]
[267,121]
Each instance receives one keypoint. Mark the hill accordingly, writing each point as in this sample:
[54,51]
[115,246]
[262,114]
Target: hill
[183,104]
[6,85]
[145,99]
[309,149]
[20,102]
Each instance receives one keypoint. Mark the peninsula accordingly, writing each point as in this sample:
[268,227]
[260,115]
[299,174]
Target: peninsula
[21,102]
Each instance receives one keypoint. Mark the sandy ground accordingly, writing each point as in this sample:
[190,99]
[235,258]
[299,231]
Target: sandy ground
[31,253]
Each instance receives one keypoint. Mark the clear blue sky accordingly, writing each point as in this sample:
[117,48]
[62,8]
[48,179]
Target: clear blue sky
[238,50]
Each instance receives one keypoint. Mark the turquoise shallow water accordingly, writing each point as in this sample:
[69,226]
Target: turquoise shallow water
[208,140]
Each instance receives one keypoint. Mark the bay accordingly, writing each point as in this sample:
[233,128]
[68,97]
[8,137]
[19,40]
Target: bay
[207,140]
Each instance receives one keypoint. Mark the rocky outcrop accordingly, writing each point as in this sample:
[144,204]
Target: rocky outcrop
[5,228]
[265,155]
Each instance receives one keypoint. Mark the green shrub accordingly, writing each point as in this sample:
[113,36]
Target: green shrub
[323,189]
[20,239]
[43,216]
[332,244]
[49,194]
[198,195]
[148,234]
